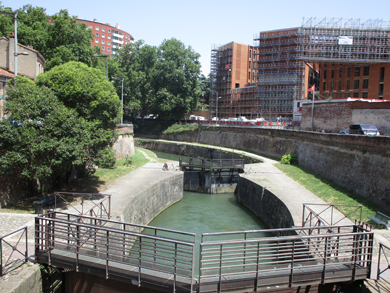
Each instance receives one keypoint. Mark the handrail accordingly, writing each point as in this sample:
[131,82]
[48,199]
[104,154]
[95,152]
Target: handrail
[385,251]
[332,207]
[105,210]
[164,252]
[10,264]
[287,256]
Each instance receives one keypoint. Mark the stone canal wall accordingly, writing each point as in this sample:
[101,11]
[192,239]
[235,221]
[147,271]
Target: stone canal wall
[144,206]
[264,204]
[358,163]
[188,150]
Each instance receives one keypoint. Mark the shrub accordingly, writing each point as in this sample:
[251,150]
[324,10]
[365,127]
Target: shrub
[290,159]
[106,158]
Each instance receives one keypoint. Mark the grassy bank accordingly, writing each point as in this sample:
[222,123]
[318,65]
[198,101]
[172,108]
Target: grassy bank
[329,192]
[92,184]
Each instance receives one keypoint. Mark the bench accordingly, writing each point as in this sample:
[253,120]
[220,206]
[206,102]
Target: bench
[46,200]
[381,219]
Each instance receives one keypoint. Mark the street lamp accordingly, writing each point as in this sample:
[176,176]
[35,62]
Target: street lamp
[120,78]
[15,15]
[96,55]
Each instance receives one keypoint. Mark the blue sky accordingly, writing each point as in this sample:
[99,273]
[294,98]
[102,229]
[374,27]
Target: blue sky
[201,24]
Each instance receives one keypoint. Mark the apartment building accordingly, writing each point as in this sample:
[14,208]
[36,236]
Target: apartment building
[108,38]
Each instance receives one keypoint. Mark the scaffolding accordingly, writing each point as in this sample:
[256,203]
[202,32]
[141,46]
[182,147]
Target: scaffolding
[284,58]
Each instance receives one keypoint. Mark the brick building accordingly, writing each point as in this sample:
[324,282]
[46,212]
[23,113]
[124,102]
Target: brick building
[29,65]
[341,58]
[108,38]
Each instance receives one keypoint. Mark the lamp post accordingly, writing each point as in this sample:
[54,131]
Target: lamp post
[96,55]
[120,78]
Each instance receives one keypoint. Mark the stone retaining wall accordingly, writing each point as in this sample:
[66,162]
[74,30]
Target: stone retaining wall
[264,204]
[143,207]
[358,163]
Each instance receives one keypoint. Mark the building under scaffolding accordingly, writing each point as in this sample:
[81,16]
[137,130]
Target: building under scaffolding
[286,62]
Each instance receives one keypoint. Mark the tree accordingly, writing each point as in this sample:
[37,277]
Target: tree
[59,38]
[49,140]
[176,88]
[86,90]
[137,62]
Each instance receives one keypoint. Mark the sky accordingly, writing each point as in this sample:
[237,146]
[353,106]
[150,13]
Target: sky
[204,24]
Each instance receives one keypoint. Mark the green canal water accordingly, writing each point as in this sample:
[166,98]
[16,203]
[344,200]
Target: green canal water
[206,213]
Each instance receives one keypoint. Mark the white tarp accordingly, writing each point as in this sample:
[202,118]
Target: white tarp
[345,40]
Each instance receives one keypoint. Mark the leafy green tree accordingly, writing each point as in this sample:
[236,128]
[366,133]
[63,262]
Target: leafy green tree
[49,140]
[59,38]
[176,87]
[86,90]
[137,62]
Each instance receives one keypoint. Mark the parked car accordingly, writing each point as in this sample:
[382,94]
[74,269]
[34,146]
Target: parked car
[363,129]
[344,131]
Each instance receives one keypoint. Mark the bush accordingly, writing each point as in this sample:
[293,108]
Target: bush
[290,159]
[105,158]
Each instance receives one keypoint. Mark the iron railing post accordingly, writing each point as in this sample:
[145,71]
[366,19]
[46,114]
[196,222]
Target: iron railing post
[107,252]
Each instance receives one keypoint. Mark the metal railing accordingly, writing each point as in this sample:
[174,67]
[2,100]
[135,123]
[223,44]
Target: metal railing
[384,251]
[115,248]
[215,164]
[101,206]
[313,218]
[270,262]
[11,261]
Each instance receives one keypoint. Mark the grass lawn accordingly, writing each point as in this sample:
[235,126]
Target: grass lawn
[330,192]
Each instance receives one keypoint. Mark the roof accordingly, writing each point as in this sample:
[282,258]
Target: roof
[6,73]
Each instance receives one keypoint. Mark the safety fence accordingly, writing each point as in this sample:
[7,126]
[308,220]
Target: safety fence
[13,253]
[329,214]
[264,124]
[215,164]
[384,252]
[117,250]
[253,264]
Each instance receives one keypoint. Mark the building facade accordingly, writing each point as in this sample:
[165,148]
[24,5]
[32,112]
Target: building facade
[340,58]
[30,64]
[108,38]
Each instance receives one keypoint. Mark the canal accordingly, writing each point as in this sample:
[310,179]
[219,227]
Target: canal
[206,213]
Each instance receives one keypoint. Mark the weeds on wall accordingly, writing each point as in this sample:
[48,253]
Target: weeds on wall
[290,159]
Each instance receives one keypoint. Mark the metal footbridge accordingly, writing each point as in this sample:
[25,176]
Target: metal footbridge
[234,261]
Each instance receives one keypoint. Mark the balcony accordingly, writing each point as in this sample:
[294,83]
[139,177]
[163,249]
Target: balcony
[117,35]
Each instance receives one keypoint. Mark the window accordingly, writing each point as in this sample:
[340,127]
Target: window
[340,83]
[382,74]
[96,40]
[103,29]
[108,49]
[96,34]
[103,35]
[341,73]
[108,43]
[349,72]
[364,95]
[103,41]
[339,95]
[356,95]
[346,95]
[324,88]
[96,28]
[90,26]
[109,37]
[109,30]
[331,85]
[250,53]
[324,74]
[365,84]
[366,70]
[249,74]
[103,48]
[348,84]
[356,84]
[332,73]
[357,71]
[250,65]
[237,85]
